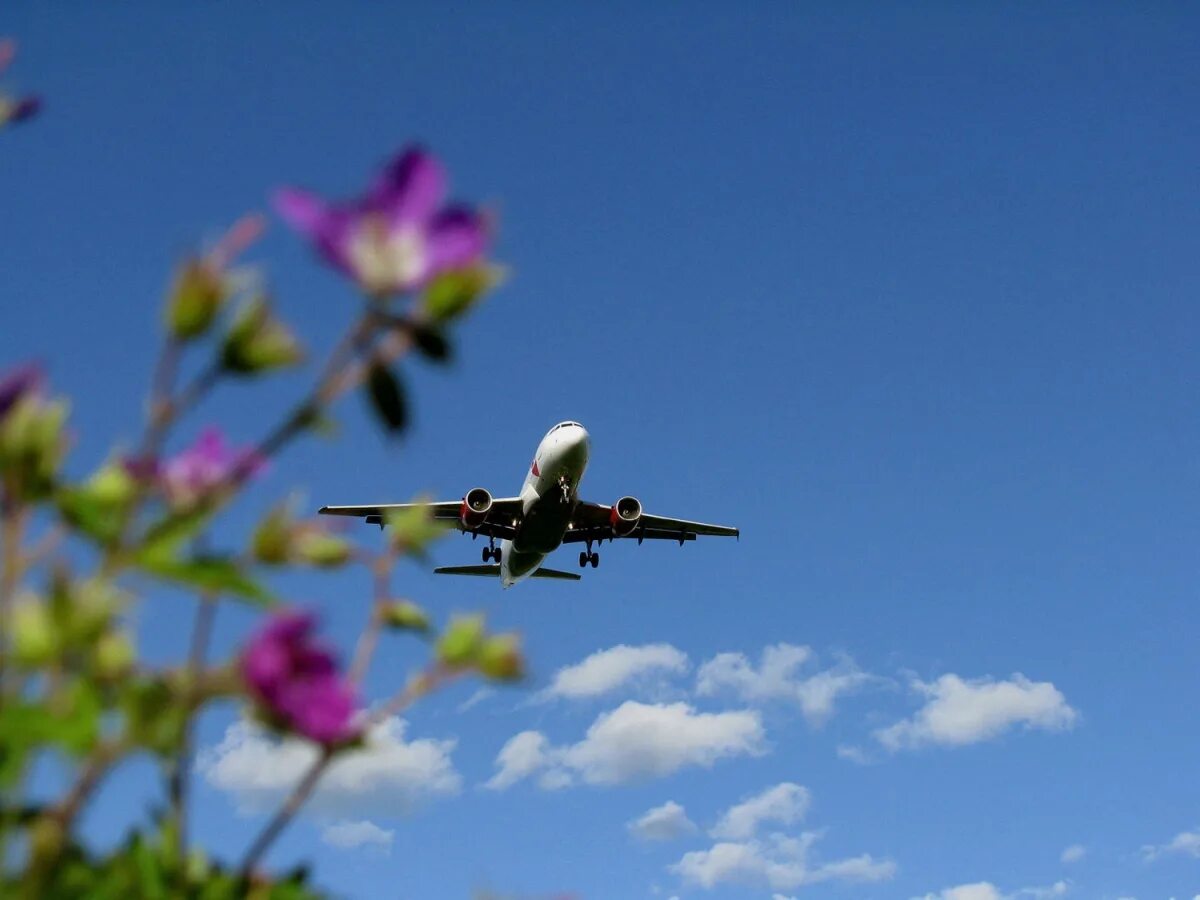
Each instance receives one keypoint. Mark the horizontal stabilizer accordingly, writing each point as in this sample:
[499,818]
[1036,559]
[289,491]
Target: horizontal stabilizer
[492,571]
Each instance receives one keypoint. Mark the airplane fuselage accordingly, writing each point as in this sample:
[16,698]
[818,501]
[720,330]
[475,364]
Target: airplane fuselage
[548,500]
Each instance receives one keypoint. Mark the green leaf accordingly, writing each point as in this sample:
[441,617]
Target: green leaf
[210,574]
[452,294]
[388,398]
[166,537]
[154,716]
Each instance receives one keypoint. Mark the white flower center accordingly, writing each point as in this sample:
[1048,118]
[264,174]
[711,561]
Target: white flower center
[387,259]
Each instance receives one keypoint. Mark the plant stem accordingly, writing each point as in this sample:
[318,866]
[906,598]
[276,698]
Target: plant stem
[12,530]
[381,567]
[286,812]
[206,611]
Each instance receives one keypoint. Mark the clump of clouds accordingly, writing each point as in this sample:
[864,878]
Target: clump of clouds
[390,775]
[985,890]
[779,861]
[606,671]
[347,835]
[1074,853]
[783,804]
[662,823]
[633,742]
[959,711]
[1186,843]
[777,678]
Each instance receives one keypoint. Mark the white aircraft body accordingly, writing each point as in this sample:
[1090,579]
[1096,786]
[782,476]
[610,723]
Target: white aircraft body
[547,513]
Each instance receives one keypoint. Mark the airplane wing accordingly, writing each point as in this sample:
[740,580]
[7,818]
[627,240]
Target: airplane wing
[592,524]
[498,523]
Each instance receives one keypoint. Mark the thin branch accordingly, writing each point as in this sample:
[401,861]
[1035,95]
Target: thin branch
[12,530]
[381,568]
[178,783]
[433,677]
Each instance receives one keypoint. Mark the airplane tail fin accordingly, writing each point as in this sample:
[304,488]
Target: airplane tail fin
[493,571]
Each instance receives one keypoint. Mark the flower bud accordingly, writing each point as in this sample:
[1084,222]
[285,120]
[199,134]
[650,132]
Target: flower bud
[199,292]
[500,658]
[405,615]
[319,548]
[113,655]
[460,643]
[271,543]
[33,638]
[258,342]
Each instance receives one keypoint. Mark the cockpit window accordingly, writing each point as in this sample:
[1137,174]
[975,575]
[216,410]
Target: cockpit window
[565,425]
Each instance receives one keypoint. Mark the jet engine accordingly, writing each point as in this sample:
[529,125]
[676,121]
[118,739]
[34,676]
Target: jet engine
[625,515]
[475,507]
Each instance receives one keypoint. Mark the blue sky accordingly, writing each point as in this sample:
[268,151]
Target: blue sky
[909,295]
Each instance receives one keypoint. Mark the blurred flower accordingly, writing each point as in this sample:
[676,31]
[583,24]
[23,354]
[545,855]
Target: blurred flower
[205,467]
[296,680]
[24,379]
[15,109]
[19,109]
[399,235]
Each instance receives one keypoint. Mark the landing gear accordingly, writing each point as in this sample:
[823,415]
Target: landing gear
[588,556]
[491,552]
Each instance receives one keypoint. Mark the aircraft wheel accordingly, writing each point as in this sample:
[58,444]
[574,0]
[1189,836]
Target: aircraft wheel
[583,559]
[496,554]
[487,553]
[595,560]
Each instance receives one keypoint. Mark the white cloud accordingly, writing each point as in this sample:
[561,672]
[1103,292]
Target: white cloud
[959,712]
[388,776]
[521,756]
[607,670]
[776,678]
[1186,843]
[1074,853]
[347,835]
[780,863]
[484,693]
[662,823]
[985,890]
[854,754]
[632,742]
[785,804]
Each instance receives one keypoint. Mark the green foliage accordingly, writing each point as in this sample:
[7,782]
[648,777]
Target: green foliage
[98,506]
[199,292]
[461,642]
[259,342]
[404,615]
[209,574]
[281,539]
[414,529]
[32,444]
[451,295]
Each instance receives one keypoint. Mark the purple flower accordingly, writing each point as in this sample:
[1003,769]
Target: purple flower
[399,235]
[23,380]
[24,108]
[296,680]
[208,465]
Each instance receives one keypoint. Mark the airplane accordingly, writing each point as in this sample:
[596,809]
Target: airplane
[546,514]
